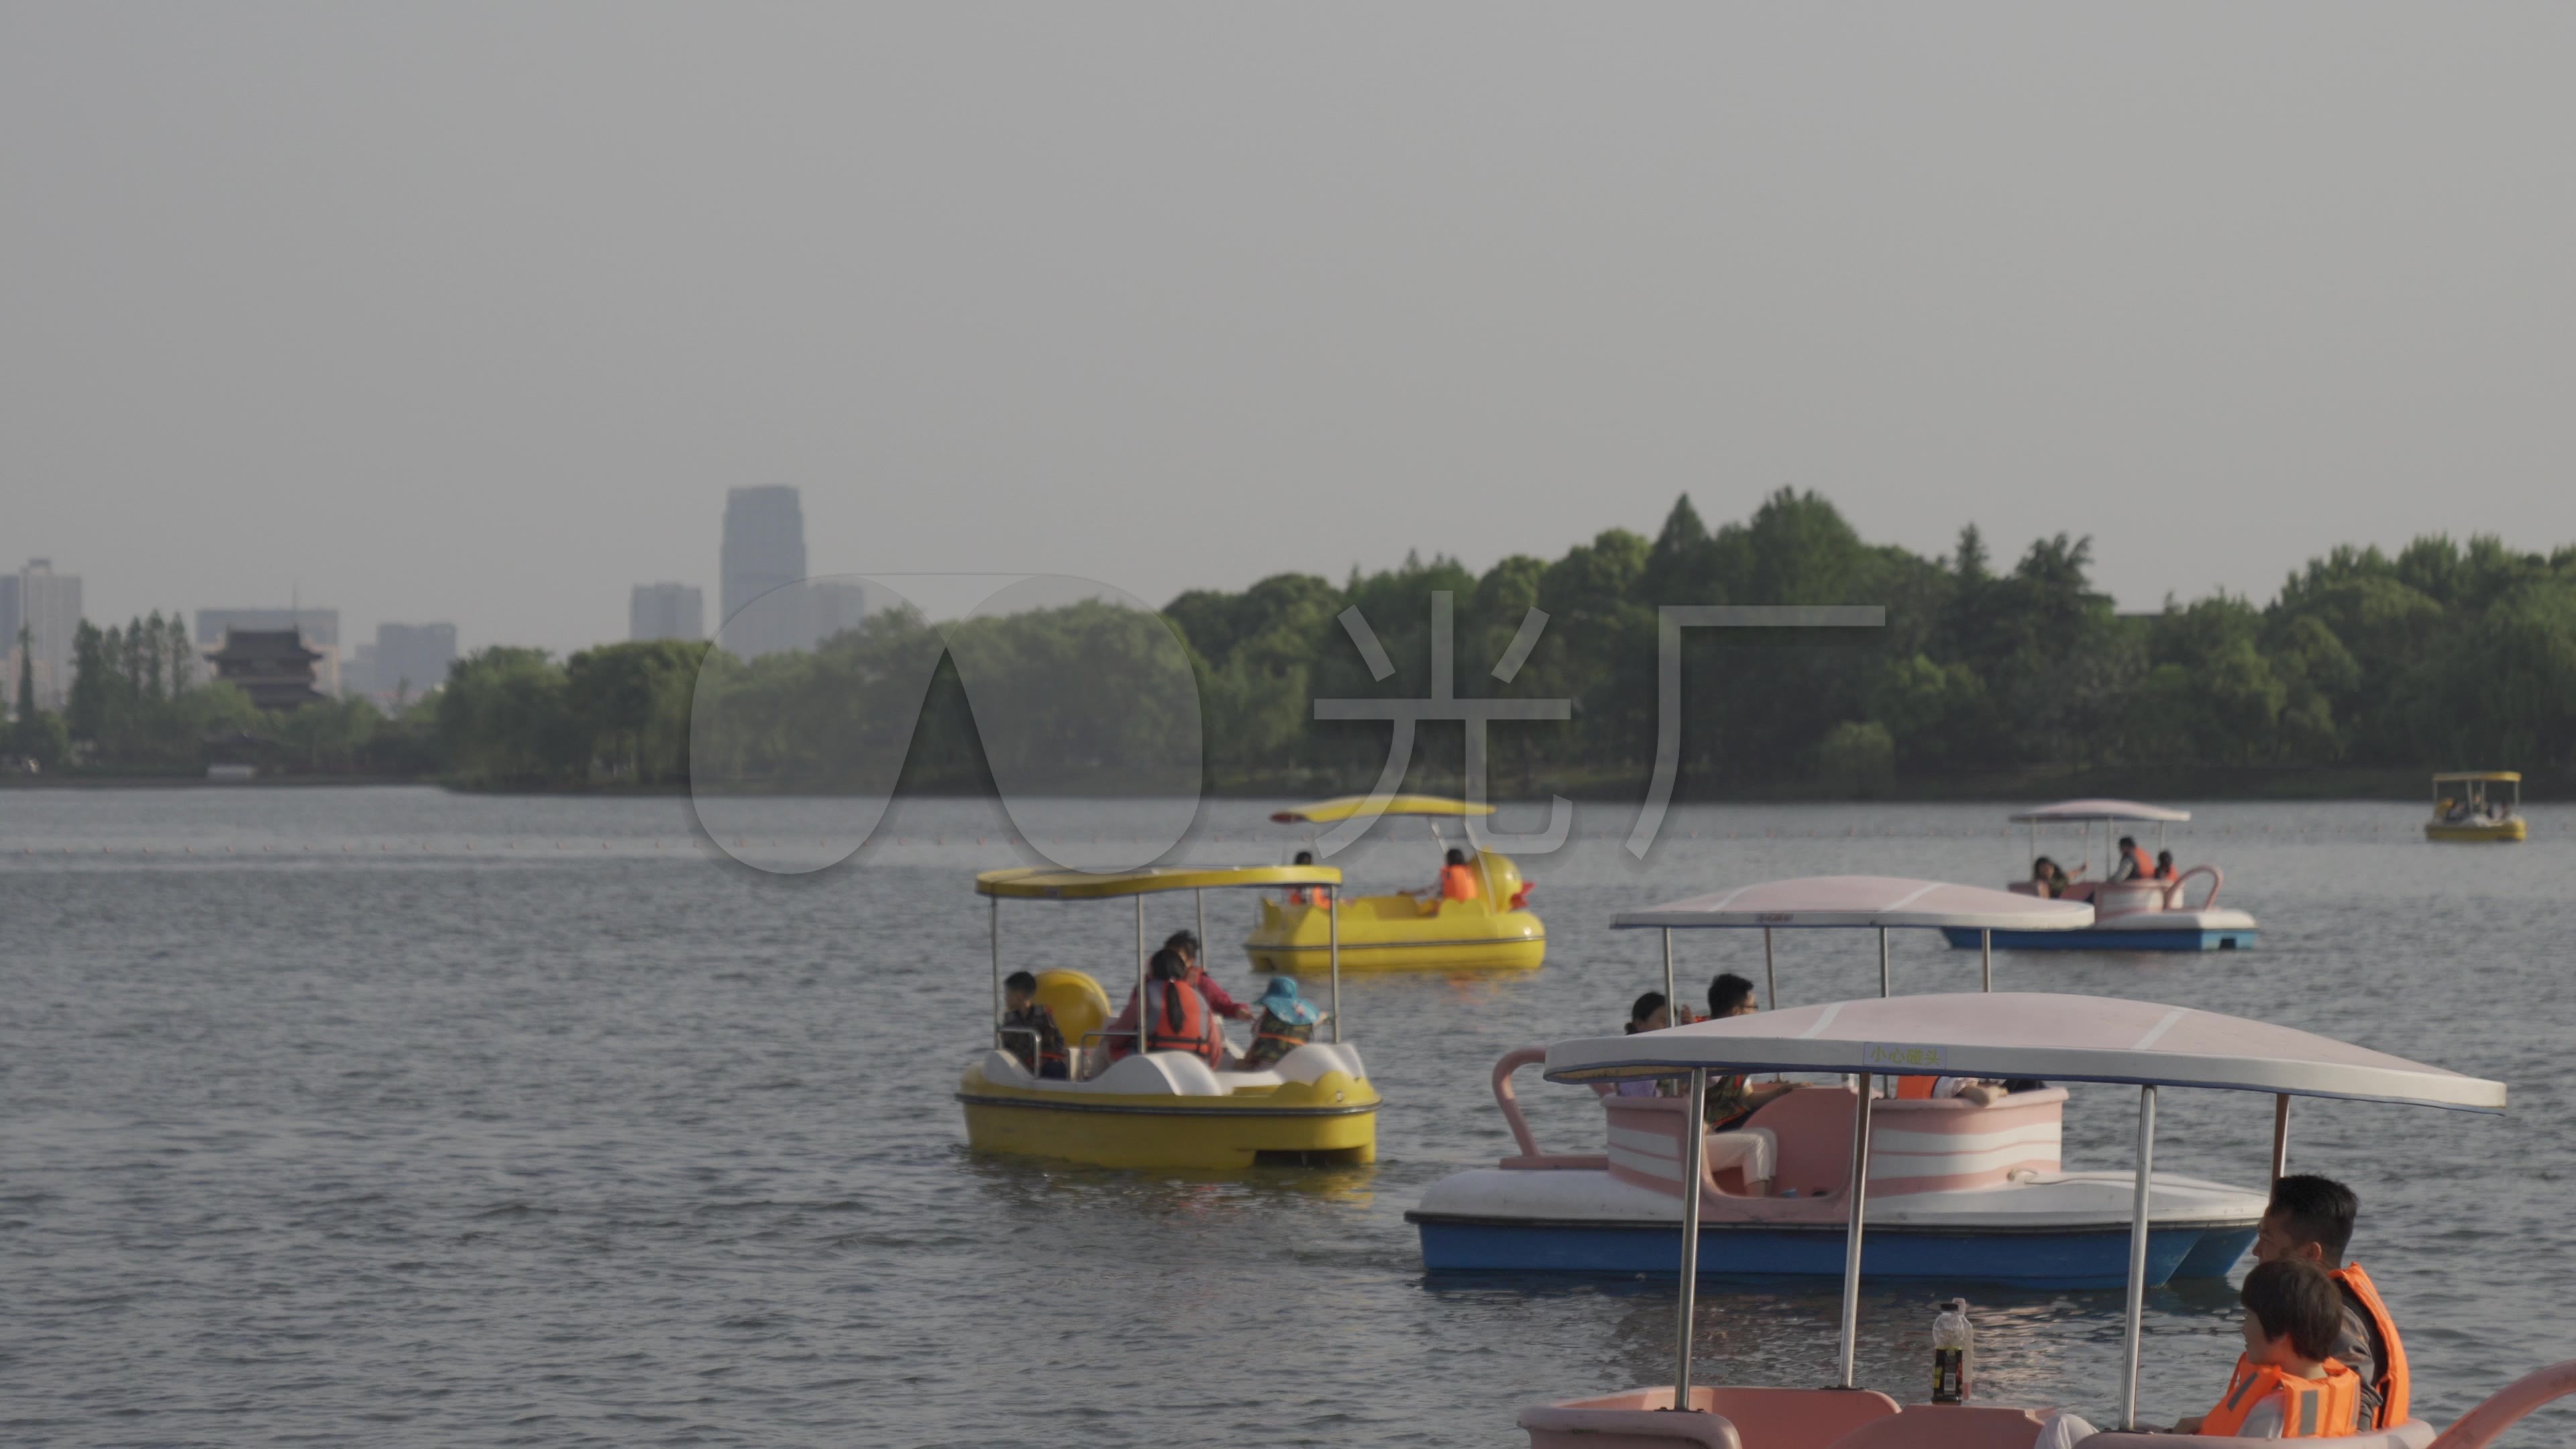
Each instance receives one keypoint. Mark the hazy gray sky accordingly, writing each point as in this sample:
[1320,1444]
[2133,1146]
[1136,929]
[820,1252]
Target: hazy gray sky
[473,312]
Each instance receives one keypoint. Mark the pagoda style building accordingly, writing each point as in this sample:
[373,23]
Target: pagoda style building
[272,666]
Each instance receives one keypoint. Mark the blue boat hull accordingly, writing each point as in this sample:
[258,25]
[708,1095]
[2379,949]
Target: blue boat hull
[2075,1259]
[2189,939]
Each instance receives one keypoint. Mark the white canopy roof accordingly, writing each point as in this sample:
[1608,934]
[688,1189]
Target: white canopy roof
[2103,810]
[1861,900]
[2028,1034]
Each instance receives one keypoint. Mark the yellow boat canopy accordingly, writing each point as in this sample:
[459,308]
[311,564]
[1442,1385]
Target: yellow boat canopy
[1327,812]
[2510,776]
[1041,883]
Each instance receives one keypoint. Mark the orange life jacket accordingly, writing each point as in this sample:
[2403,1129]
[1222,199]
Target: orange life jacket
[1458,883]
[2391,1383]
[2310,1408]
[1179,1022]
[1915,1089]
[2167,873]
[1306,895]
[2142,866]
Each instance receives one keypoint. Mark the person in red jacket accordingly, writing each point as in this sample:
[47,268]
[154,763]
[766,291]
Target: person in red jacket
[1224,1004]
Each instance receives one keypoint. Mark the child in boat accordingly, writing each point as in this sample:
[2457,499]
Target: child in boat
[1028,1028]
[2165,867]
[1287,1023]
[1308,895]
[2310,1218]
[2286,1385]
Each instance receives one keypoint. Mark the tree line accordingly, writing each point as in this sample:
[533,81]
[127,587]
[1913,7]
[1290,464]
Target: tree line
[2442,655]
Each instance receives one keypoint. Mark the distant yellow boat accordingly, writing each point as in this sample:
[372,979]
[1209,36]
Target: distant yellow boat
[1312,1107]
[2471,816]
[1399,932]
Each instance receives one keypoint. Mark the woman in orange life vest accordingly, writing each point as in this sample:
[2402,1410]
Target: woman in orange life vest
[1308,895]
[2165,867]
[2310,1219]
[1177,1018]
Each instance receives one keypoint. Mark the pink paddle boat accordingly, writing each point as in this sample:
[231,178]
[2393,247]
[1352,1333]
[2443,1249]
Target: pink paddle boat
[1970,1188]
[2128,915]
[2063,1038]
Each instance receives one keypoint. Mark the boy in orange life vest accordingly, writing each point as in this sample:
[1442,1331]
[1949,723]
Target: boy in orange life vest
[1457,883]
[2310,1219]
[1308,895]
[2285,1385]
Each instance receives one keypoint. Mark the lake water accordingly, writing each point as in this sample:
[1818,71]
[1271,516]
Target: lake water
[398,1117]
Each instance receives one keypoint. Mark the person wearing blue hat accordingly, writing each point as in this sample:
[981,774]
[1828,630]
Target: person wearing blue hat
[1287,1023]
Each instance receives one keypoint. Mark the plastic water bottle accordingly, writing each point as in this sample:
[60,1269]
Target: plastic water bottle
[1953,1350]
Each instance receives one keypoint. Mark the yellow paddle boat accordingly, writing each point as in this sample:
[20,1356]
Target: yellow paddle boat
[2465,810]
[1423,931]
[1313,1106]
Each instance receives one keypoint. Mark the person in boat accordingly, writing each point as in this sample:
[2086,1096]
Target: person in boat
[1222,1002]
[2134,862]
[2310,1219]
[1029,1031]
[1287,1023]
[2287,1383]
[2165,867]
[1308,895]
[1177,1017]
[1457,882]
[1983,1091]
[1650,1013]
[2050,877]
[1731,1099]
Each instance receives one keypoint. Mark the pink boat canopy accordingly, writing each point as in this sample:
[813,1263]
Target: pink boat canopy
[2104,810]
[1861,900]
[2029,1034]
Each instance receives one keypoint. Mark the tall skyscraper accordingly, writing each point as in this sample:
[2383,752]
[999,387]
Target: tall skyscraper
[412,659]
[764,550]
[49,609]
[666,611]
[320,629]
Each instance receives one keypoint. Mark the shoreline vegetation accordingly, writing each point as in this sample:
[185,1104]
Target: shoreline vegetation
[2364,673]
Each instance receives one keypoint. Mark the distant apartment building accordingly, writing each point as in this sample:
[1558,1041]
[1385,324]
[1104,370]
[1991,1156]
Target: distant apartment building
[47,605]
[358,673]
[319,628]
[764,550]
[833,606]
[410,660]
[666,611]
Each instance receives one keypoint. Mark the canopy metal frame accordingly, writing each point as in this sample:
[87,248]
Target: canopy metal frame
[1694,1165]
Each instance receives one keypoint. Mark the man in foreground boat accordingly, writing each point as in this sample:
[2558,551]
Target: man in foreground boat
[2310,1220]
